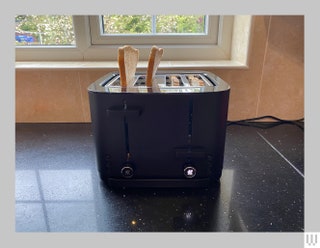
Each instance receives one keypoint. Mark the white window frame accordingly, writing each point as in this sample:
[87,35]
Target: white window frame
[210,37]
[225,49]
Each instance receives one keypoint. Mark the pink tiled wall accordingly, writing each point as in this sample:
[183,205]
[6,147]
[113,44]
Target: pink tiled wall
[272,85]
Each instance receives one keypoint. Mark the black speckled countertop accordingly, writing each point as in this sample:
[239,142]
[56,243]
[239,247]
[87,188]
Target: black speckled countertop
[58,188]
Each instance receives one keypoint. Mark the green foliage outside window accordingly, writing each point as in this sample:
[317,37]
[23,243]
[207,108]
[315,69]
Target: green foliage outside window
[127,24]
[44,30]
[164,24]
[58,29]
[179,24]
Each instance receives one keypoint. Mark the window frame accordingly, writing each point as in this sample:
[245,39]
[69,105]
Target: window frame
[209,38]
[84,50]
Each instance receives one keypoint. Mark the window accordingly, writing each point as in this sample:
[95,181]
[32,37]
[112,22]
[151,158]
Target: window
[160,30]
[96,38]
[44,30]
[153,24]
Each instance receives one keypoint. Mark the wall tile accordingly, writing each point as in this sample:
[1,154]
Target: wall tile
[86,78]
[282,91]
[48,96]
[245,84]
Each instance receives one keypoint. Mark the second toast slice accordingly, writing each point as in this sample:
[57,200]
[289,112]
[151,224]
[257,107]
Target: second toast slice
[153,63]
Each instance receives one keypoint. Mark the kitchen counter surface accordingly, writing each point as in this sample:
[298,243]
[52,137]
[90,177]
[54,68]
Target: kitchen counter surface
[58,188]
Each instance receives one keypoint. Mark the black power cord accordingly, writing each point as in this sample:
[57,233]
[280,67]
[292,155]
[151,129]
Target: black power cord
[277,121]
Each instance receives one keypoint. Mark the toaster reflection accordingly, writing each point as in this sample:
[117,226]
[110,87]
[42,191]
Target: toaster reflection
[168,210]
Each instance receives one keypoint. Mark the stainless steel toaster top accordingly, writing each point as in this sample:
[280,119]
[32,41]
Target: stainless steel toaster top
[164,82]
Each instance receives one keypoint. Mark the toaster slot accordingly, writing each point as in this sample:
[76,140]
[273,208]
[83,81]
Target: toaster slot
[109,79]
[210,80]
[174,80]
[141,81]
[114,82]
[195,80]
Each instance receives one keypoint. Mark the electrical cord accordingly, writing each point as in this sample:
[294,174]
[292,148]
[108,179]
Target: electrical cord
[277,121]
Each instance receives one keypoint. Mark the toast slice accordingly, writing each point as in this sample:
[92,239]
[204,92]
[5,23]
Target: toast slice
[127,60]
[153,63]
[195,81]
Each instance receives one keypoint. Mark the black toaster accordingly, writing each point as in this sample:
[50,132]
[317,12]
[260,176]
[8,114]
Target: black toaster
[169,135]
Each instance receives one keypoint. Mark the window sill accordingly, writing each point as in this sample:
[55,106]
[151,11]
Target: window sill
[221,64]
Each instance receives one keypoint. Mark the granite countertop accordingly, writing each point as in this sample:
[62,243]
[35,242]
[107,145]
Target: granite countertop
[58,188]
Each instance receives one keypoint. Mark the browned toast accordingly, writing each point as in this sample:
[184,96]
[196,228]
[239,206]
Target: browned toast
[127,60]
[153,63]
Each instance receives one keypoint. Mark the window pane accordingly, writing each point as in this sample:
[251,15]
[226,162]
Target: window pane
[181,24]
[127,24]
[44,30]
[160,24]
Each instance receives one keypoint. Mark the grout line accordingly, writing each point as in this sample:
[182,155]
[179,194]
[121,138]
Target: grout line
[54,201]
[81,97]
[262,70]
[275,149]
[45,212]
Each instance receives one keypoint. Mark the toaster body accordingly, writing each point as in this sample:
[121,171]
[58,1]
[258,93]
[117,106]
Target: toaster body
[169,135]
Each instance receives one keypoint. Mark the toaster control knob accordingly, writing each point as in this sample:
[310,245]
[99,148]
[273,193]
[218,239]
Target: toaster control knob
[127,171]
[189,171]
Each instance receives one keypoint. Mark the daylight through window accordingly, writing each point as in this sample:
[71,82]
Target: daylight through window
[154,24]
[44,30]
